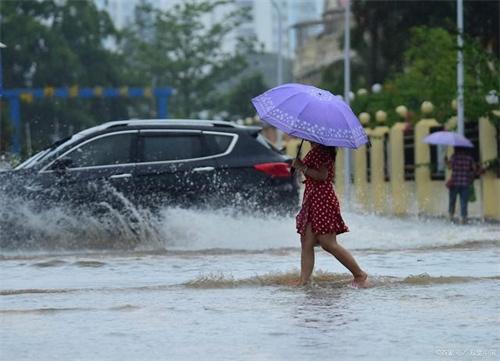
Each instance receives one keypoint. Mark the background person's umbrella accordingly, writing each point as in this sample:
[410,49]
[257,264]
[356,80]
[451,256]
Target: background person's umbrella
[311,113]
[448,138]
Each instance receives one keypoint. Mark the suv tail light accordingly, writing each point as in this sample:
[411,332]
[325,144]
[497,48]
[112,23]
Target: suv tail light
[277,169]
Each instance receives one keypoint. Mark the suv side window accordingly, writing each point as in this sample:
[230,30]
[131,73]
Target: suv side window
[217,143]
[108,150]
[168,147]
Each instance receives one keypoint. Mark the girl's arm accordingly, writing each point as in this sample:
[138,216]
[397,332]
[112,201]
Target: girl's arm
[320,174]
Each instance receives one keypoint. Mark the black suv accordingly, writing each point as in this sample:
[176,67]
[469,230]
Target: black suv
[154,163]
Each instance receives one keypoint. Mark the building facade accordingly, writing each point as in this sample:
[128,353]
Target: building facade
[264,24]
[318,43]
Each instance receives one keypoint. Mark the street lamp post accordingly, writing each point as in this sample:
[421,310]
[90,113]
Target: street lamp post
[460,67]
[347,90]
[2,45]
[279,77]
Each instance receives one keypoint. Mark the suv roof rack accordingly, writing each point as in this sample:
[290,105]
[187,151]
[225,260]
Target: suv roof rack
[210,123]
[181,122]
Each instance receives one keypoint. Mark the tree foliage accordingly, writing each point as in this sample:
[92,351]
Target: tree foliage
[177,47]
[61,43]
[237,100]
[429,73]
[54,43]
[383,28]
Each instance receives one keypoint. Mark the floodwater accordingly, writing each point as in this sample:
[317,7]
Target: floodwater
[213,285]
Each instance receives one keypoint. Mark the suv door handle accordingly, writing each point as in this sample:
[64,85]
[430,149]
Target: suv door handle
[203,169]
[120,176]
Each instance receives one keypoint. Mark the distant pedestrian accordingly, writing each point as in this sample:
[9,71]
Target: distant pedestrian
[319,220]
[463,170]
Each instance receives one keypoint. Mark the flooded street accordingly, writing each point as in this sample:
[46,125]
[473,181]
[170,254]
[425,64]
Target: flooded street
[154,155]
[212,285]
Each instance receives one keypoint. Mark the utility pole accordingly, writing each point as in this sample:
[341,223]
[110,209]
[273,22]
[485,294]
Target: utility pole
[2,45]
[460,66]
[347,91]
[279,76]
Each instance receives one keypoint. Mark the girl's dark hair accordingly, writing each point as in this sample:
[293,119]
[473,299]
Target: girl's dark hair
[332,151]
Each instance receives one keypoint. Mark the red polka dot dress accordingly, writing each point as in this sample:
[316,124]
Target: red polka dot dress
[320,205]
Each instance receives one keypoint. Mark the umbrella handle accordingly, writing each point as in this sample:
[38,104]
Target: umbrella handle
[292,171]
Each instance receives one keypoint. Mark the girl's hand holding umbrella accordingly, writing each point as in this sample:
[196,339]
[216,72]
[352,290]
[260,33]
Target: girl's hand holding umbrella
[297,164]
[320,174]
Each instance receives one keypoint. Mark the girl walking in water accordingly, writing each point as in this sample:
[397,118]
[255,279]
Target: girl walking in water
[319,220]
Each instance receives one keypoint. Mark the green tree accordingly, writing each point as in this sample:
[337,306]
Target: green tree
[60,44]
[382,29]
[430,74]
[176,48]
[332,77]
[238,100]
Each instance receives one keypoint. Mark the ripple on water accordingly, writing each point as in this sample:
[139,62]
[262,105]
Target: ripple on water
[49,310]
[50,263]
[91,264]
[59,263]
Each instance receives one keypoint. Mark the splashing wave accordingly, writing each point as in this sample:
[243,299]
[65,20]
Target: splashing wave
[26,229]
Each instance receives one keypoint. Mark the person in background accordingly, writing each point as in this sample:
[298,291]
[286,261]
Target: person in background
[463,170]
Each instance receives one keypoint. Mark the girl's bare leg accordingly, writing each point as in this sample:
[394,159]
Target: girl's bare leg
[329,243]
[307,256]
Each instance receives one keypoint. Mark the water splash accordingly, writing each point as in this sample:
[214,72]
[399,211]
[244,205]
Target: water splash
[25,229]
[26,226]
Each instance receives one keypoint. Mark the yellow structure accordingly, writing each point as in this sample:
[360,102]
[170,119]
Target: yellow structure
[339,174]
[362,193]
[426,193]
[379,186]
[292,146]
[399,189]
[397,195]
[490,181]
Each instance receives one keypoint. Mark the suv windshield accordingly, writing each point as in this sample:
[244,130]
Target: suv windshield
[42,155]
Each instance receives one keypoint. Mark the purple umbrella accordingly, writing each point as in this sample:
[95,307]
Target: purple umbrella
[448,138]
[311,113]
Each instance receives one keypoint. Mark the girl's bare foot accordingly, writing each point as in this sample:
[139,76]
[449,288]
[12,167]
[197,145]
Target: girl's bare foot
[360,280]
[300,282]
